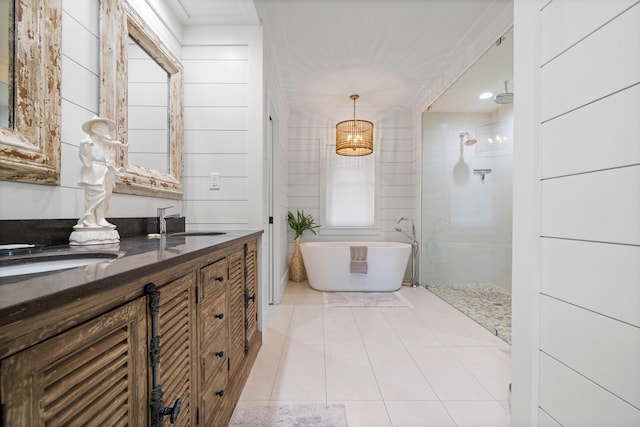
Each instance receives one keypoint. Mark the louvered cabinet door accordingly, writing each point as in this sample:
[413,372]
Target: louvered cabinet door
[177,338]
[251,290]
[92,375]
[236,312]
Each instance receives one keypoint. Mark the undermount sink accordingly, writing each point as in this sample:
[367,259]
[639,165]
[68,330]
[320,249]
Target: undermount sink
[198,233]
[45,262]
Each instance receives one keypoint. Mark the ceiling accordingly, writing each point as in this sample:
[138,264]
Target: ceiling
[396,54]
[488,74]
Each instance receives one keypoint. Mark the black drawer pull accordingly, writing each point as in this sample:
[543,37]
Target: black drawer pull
[219,316]
[219,279]
[220,353]
[220,393]
[251,298]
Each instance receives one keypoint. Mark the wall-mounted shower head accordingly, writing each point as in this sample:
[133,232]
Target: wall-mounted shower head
[504,98]
[398,229]
[467,141]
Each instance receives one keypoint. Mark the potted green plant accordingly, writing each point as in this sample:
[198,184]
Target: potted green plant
[299,223]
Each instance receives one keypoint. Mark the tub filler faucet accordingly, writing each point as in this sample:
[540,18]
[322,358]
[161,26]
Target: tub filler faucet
[414,249]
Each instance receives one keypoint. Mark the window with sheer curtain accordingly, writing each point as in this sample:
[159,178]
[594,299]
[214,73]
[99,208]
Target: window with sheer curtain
[349,190]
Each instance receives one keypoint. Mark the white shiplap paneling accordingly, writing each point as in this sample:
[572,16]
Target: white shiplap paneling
[216,95]
[78,41]
[590,204]
[611,360]
[223,126]
[596,67]
[545,420]
[561,29]
[79,85]
[199,164]
[216,141]
[574,400]
[598,136]
[600,206]
[216,118]
[85,13]
[213,71]
[397,167]
[217,212]
[601,277]
[197,188]
[221,52]
[73,116]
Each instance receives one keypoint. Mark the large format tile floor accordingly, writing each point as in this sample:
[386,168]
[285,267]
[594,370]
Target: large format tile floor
[425,365]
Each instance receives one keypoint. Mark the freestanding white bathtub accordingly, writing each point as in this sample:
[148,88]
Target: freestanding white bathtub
[327,265]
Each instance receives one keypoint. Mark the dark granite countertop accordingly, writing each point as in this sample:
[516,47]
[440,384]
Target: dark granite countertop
[26,295]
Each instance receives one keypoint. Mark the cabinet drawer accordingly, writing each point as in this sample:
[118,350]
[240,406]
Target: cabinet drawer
[213,394]
[214,354]
[214,279]
[213,317]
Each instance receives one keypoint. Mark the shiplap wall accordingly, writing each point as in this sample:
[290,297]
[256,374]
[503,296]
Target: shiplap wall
[223,126]
[589,244]
[398,172]
[80,102]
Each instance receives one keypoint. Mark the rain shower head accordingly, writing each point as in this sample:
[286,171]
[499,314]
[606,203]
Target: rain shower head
[468,141]
[505,97]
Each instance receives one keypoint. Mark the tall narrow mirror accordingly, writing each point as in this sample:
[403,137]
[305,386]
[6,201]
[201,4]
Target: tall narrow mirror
[148,110]
[141,90]
[30,100]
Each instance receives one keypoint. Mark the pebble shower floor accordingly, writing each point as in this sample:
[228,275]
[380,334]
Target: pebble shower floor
[488,305]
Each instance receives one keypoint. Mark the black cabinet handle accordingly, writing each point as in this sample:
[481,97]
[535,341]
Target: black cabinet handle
[219,279]
[220,393]
[219,316]
[173,411]
[252,298]
[158,410]
[220,353]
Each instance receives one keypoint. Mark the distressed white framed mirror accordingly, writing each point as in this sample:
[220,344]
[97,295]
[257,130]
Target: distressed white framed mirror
[141,91]
[30,98]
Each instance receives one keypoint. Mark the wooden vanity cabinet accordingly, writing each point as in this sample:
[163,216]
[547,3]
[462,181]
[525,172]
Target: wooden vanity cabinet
[103,371]
[88,375]
[213,308]
[177,332]
[230,282]
[251,294]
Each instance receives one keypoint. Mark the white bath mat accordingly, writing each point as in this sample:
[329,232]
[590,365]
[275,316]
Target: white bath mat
[364,299]
[290,416]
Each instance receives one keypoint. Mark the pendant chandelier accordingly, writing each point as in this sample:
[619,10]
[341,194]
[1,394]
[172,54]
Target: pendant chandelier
[354,137]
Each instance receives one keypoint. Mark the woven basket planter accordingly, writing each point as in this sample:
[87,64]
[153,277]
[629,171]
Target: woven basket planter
[296,264]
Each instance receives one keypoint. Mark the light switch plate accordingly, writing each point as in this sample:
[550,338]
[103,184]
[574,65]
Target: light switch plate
[214,181]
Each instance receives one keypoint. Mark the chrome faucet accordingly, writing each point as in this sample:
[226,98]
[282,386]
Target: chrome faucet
[162,218]
[411,236]
[415,279]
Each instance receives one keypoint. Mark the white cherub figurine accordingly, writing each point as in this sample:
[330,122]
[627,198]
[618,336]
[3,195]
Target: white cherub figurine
[98,156]
[98,153]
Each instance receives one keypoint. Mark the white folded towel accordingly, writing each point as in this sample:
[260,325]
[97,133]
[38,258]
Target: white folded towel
[358,259]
